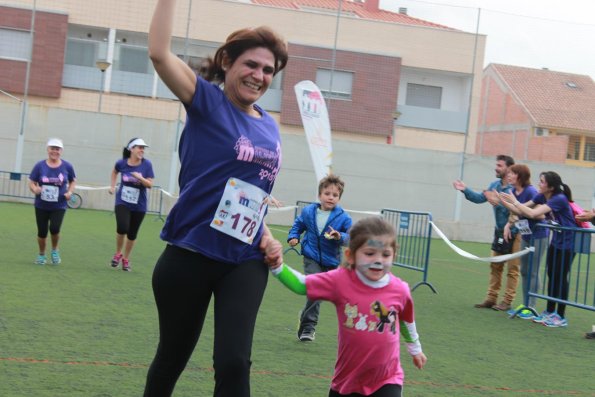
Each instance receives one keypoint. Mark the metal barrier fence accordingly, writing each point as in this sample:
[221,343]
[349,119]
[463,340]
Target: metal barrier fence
[16,185]
[566,277]
[414,234]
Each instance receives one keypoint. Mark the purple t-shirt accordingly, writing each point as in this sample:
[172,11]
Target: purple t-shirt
[369,339]
[219,142]
[528,193]
[54,184]
[131,192]
[562,215]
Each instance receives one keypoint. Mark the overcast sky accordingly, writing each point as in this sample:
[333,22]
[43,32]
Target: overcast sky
[554,34]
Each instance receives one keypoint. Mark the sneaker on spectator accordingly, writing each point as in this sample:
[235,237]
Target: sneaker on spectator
[307,335]
[41,260]
[116,259]
[542,317]
[515,310]
[125,265]
[526,314]
[555,320]
[56,257]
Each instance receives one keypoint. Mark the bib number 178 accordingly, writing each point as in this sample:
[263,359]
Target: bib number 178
[249,224]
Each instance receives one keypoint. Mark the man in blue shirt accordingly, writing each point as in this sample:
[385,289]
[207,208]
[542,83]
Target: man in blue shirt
[501,216]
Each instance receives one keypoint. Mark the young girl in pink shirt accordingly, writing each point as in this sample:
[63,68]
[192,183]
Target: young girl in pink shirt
[373,307]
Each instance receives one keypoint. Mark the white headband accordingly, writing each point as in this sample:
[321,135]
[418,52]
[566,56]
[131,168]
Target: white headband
[137,142]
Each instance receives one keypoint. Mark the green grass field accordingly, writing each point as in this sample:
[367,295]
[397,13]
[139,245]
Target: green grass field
[81,329]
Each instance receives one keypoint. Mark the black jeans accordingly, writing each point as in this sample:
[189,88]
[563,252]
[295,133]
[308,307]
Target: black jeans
[183,283]
[558,266]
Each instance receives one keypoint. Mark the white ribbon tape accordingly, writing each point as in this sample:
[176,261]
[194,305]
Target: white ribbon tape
[499,258]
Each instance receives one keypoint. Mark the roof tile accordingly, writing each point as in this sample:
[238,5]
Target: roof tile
[349,6]
[554,99]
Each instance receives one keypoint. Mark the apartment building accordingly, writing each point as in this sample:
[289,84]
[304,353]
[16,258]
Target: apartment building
[537,114]
[388,77]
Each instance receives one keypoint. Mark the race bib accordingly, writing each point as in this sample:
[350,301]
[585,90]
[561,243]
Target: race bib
[241,210]
[523,226]
[130,194]
[50,193]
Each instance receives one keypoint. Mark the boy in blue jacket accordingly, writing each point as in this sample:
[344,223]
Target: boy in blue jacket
[326,227]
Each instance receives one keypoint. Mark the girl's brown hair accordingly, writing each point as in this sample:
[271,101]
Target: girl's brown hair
[240,41]
[364,229]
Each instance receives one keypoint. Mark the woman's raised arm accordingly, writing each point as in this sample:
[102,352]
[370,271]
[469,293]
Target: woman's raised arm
[177,75]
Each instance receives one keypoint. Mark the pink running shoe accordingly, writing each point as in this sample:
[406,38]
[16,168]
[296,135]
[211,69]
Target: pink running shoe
[125,265]
[116,260]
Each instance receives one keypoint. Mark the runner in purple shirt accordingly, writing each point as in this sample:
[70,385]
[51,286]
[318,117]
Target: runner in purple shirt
[52,181]
[230,154]
[131,198]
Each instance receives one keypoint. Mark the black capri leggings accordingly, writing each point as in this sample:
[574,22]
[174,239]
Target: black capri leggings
[128,222]
[51,220]
[183,284]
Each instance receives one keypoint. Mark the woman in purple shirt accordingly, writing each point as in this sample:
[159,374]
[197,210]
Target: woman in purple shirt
[131,198]
[52,181]
[230,154]
[552,201]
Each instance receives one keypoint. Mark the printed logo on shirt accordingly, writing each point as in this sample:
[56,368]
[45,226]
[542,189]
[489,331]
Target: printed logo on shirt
[130,179]
[381,317]
[58,181]
[266,158]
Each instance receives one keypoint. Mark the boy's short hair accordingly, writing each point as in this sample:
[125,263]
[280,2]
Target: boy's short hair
[331,180]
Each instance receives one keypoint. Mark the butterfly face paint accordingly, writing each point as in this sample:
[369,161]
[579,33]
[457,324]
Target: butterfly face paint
[375,258]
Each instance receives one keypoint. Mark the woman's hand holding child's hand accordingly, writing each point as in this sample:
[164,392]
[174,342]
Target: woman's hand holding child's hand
[273,253]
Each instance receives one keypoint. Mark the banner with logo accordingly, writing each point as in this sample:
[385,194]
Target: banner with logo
[316,125]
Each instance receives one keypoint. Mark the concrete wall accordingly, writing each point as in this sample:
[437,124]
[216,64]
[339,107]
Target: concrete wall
[377,175]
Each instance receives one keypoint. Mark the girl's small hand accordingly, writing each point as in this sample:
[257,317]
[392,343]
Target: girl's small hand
[419,360]
[586,216]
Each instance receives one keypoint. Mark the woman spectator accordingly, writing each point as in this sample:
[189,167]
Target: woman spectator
[519,176]
[553,203]
[230,154]
[52,181]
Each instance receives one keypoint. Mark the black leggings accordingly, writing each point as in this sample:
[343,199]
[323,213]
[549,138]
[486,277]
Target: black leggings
[51,220]
[558,266]
[183,283]
[128,222]
[385,391]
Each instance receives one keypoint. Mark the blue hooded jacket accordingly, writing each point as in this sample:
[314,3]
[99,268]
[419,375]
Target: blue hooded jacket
[315,246]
